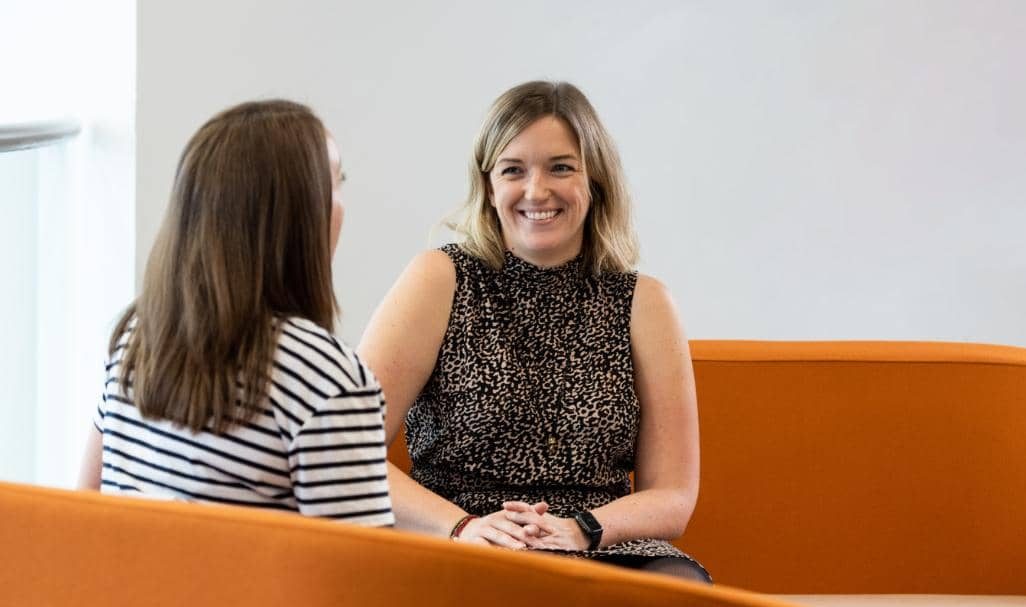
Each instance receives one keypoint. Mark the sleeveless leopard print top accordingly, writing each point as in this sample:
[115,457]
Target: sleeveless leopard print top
[532,396]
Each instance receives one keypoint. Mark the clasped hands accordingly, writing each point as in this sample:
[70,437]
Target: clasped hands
[520,526]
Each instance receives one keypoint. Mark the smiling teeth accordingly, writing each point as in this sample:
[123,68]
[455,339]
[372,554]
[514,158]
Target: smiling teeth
[539,215]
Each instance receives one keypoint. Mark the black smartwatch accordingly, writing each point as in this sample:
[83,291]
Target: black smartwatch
[591,528]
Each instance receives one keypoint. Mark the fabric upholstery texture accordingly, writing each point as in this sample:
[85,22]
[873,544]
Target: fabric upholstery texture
[83,548]
[859,467]
[828,468]
[906,600]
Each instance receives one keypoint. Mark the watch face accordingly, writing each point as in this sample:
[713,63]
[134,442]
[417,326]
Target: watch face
[591,527]
[588,522]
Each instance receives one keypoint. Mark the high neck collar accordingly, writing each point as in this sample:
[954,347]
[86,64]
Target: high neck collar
[518,267]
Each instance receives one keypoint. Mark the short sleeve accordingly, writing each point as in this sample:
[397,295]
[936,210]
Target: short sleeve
[337,459]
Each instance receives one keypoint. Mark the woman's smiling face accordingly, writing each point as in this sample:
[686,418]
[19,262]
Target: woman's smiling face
[539,189]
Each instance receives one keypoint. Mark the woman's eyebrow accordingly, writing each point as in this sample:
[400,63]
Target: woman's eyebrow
[551,159]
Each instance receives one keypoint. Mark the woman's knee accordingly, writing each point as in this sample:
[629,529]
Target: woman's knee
[679,568]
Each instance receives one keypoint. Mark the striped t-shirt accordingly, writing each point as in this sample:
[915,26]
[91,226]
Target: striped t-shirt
[317,447]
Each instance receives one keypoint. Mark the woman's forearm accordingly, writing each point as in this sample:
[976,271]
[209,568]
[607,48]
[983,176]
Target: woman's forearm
[91,467]
[419,509]
[652,513]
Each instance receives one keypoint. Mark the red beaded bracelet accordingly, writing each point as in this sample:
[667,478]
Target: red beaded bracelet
[460,525]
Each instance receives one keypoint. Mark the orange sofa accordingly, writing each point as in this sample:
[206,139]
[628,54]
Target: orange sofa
[860,468]
[82,549]
[837,474]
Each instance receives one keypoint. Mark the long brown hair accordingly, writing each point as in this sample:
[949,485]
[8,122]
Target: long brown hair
[610,243]
[245,241]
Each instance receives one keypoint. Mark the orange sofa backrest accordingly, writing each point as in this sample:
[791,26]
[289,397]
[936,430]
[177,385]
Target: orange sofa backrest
[859,467]
[84,549]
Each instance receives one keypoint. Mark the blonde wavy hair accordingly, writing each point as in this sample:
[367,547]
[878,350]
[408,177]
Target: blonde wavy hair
[610,243]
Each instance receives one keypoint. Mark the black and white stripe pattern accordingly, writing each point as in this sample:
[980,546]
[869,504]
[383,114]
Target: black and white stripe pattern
[317,448]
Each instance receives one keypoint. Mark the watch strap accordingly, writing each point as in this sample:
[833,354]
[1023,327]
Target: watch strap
[591,528]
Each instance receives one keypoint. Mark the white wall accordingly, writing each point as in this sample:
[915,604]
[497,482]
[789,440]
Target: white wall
[72,261]
[19,180]
[802,170]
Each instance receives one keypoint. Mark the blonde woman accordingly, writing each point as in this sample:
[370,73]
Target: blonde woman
[534,368]
[225,383]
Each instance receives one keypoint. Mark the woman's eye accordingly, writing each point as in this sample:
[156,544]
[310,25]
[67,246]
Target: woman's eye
[510,170]
[563,168]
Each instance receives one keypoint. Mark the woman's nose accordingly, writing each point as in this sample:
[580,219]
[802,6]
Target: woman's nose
[537,187]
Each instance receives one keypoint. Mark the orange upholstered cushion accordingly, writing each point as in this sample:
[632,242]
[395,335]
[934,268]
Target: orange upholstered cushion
[85,549]
[859,467]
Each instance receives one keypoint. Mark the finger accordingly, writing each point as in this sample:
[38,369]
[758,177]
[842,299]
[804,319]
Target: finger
[522,518]
[540,507]
[481,536]
[539,525]
[552,542]
[499,538]
[511,529]
[543,544]
[532,530]
[516,506]
[498,521]
[547,523]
